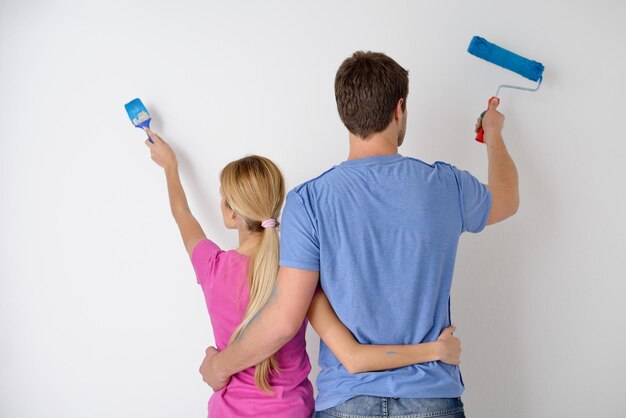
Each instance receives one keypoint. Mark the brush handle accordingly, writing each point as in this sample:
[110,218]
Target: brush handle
[145,124]
[480,135]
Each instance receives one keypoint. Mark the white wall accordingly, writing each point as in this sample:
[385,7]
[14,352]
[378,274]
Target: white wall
[99,312]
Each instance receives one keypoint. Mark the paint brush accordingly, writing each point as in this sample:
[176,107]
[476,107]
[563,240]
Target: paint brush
[138,114]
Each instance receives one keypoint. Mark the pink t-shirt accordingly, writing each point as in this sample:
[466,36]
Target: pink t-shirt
[223,277]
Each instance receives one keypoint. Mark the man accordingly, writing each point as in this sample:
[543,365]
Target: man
[380,232]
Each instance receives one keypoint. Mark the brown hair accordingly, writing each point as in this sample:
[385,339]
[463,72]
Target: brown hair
[368,86]
[255,189]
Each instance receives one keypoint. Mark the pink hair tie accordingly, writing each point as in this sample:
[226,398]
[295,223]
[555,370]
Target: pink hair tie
[269,223]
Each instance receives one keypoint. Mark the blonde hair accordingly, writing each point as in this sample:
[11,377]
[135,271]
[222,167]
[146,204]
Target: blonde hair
[254,188]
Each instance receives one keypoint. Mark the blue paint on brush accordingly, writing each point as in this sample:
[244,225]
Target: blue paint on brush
[138,114]
[484,49]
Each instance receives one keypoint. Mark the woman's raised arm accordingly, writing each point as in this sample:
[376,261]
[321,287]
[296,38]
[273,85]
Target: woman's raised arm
[164,156]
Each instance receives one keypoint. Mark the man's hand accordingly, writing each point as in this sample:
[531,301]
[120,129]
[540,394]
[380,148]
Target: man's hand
[209,373]
[160,151]
[492,121]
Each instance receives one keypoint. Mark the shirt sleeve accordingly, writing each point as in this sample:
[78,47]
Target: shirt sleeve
[203,258]
[299,243]
[475,201]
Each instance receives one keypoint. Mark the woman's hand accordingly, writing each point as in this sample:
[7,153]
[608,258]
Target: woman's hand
[449,346]
[160,151]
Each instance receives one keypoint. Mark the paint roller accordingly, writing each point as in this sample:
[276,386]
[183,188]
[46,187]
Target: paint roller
[494,54]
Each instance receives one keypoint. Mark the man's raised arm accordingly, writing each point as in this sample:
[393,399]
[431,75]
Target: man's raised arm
[275,325]
[503,180]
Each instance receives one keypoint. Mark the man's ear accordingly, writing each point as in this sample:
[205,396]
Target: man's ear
[398,111]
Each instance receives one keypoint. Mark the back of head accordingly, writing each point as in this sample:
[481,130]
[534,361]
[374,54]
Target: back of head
[368,86]
[254,188]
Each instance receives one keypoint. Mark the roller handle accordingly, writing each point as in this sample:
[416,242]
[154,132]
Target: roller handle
[480,135]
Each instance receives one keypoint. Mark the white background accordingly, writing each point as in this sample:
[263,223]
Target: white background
[100,314]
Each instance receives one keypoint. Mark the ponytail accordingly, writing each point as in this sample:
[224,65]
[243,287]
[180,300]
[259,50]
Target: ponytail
[254,188]
[262,272]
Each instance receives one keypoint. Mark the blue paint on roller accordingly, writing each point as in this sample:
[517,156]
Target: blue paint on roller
[484,49]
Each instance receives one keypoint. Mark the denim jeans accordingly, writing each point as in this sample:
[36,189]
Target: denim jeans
[375,407]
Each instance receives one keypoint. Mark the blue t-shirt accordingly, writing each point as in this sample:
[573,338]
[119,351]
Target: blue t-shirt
[383,233]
